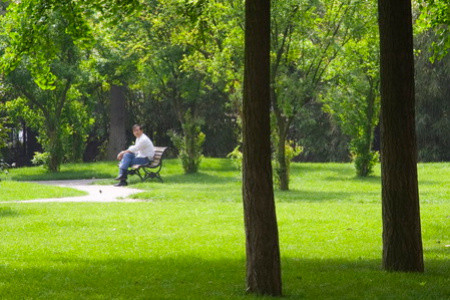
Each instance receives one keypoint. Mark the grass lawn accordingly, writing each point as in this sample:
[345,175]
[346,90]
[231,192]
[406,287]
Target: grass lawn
[188,241]
[13,190]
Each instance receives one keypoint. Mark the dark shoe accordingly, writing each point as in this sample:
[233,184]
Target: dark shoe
[121,177]
[121,183]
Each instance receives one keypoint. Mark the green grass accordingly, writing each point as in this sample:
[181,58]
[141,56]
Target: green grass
[188,242]
[13,190]
[68,171]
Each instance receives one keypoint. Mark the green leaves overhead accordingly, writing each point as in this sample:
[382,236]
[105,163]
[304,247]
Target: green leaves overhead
[435,14]
[28,27]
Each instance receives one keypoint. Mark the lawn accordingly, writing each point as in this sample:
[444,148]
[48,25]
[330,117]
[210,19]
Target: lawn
[187,241]
[13,190]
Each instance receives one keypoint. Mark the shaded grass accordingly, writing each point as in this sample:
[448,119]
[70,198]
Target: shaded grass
[13,190]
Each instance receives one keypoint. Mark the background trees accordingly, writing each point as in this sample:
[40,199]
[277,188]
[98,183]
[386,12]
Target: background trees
[172,63]
[49,103]
[352,93]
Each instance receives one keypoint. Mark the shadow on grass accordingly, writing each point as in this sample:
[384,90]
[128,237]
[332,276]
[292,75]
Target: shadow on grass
[309,196]
[343,169]
[372,179]
[197,278]
[7,212]
[197,178]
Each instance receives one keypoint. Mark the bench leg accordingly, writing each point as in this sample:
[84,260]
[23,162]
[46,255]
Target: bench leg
[146,174]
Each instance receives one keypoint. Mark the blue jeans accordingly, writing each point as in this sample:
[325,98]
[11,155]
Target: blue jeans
[128,160]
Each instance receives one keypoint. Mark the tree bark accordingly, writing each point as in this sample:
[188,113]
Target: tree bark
[402,241]
[117,122]
[55,148]
[282,168]
[263,257]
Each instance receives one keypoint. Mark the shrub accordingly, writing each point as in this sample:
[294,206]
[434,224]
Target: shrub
[190,143]
[236,157]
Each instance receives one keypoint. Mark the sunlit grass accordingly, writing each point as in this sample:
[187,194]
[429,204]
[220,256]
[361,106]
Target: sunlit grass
[13,190]
[68,171]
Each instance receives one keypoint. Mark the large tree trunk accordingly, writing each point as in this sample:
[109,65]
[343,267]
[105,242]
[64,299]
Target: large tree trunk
[402,241]
[117,122]
[263,257]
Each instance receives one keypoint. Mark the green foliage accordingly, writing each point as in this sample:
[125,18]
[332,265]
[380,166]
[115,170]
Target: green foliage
[307,36]
[55,111]
[3,167]
[41,158]
[364,160]
[29,25]
[291,150]
[189,57]
[236,157]
[3,133]
[432,102]
[435,15]
[352,94]
[190,143]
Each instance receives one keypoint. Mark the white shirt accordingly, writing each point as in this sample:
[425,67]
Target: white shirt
[143,147]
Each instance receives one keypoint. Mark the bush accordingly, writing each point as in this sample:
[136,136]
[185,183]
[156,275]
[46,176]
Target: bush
[291,151]
[236,157]
[189,144]
[364,162]
[4,166]
[41,159]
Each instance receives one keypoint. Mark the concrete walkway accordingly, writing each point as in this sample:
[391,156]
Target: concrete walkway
[97,193]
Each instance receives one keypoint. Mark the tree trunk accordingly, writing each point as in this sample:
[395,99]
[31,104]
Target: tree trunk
[366,168]
[55,149]
[117,122]
[263,257]
[282,168]
[402,241]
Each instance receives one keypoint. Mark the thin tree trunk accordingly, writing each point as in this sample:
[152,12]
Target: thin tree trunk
[55,149]
[402,241]
[368,133]
[282,168]
[263,257]
[281,128]
[117,122]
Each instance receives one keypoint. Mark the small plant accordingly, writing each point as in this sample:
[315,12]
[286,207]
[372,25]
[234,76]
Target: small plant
[40,158]
[236,157]
[4,166]
[291,151]
[365,162]
[189,144]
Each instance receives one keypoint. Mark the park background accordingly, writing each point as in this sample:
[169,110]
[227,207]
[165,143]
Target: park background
[176,67]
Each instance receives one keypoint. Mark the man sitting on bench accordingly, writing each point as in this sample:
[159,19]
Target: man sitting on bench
[140,153]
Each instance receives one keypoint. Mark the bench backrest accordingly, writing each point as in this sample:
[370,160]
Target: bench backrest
[159,152]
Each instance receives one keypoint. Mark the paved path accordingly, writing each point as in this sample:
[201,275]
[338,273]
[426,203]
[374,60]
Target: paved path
[97,193]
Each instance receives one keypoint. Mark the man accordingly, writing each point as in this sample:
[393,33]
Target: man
[140,153]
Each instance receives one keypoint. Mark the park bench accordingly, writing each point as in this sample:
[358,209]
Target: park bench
[152,169]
